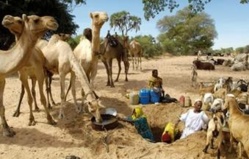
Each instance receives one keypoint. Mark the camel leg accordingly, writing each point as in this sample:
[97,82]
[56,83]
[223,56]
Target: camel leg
[24,80]
[133,62]
[137,62]
[50,89]
[63,101]
[73,91]
[47,91]
[107,73]
[140,62]
[7,131]
[34,94]
[126,66]
[119,69]
[17,112]
[109,64]
[43,99]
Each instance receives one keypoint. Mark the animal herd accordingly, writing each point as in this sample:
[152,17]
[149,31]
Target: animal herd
[228,102]
[37,59]
[238,63]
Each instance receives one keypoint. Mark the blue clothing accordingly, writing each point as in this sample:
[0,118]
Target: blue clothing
[143,128]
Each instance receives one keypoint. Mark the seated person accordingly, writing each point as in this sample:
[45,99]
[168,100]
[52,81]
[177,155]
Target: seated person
[195,119]
[140,121]
[156,83]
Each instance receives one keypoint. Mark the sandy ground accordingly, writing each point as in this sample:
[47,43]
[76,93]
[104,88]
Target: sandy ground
[75,136]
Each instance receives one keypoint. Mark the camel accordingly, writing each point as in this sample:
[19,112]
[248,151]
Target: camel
[136,54]
[87,51]
[57,54]
[41,44]
[33,69]
[61,58]
[17,57]
[112,48]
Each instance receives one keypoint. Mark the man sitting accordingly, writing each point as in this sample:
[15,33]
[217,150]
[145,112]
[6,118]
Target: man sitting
[156,82]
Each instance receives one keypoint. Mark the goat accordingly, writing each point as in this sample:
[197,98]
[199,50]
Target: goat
[238,124]
[208,99]
[215,132]
[216,105]
[220,83]
[238,66]
[220,93]
[200,65]
[205,89]
[220,61]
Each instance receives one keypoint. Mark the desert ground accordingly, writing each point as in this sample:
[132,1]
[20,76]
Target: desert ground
[74,135]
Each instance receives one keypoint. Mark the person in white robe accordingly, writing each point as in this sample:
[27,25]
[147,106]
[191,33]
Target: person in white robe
[195,119]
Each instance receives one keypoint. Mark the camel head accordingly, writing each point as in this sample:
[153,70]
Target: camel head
[39,25]
[14,24]
[99,18]
[94,108]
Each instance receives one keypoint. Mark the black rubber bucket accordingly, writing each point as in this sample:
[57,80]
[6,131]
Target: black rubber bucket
[109,122]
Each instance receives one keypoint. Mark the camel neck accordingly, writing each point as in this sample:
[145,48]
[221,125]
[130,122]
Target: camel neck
[95,40]
[13,59]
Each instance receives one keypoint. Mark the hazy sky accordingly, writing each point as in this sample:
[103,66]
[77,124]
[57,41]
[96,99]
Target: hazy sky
[231,19]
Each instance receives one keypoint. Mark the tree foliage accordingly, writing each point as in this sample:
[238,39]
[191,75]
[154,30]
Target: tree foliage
[125,22]
[153,7]
[56,8]
[186,32]
[150,47]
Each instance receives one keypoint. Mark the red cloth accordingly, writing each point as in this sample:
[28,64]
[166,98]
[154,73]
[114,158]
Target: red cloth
[166,138]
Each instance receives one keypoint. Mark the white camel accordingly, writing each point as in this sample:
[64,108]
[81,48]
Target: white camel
[136,54]
[87,52]
[60,57]
[57,54]
[15,58]
[34,69]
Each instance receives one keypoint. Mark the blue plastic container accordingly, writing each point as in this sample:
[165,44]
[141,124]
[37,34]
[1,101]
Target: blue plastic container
[154,96]
[144,96]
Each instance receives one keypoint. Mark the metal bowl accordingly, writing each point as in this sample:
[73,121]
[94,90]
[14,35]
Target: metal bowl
[111,111]
[109,122]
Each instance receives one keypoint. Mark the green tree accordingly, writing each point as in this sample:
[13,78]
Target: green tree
[186,32]
[125,22]
[153,7]
[239,50]
[246,49]
[150,47]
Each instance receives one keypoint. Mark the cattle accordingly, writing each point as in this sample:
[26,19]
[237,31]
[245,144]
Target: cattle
[201,65]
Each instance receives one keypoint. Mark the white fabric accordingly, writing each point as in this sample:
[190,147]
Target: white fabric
[193,122]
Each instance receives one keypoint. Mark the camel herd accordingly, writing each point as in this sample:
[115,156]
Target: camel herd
[37,59]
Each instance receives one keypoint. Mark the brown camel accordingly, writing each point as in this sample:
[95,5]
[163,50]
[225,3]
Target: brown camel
[112,48]
[136,53]
[33,69]
[17,57]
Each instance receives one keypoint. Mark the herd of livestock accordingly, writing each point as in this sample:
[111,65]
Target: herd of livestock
[228,101]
